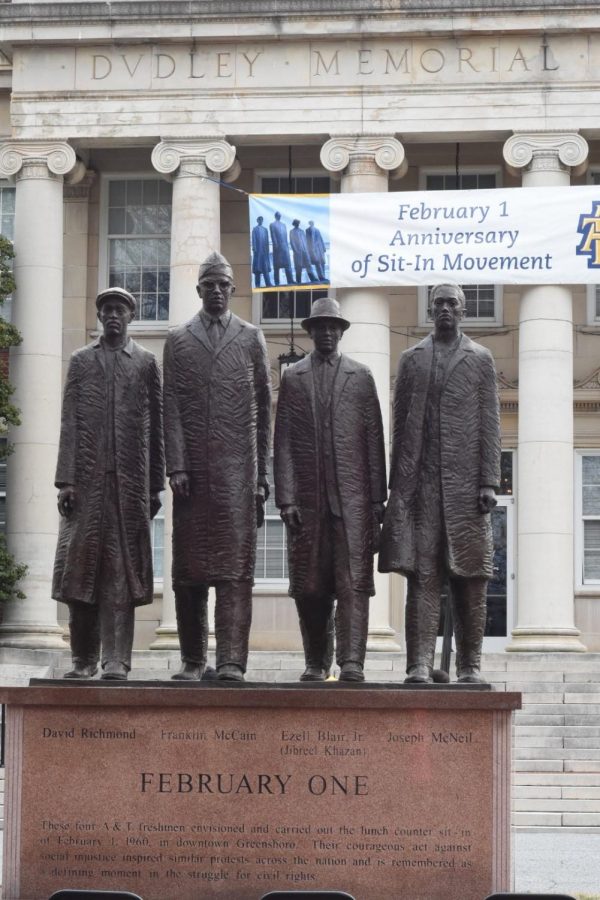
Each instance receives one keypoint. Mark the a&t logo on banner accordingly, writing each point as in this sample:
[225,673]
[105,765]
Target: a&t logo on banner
[589,227]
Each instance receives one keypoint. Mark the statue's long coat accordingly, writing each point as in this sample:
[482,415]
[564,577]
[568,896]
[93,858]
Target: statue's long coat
[260,250]
[279,240]
[470,457]
[139,464]
[359,461]
[217,428]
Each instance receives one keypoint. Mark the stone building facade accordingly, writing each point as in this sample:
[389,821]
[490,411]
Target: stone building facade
[131,133]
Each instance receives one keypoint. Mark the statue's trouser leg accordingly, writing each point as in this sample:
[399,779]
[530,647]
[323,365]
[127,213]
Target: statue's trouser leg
[422,618]
[84,627]
[352,609]
[469,609]
[298,274]
[233,617]
[316,627]
[288,275]
[115,607]
[191,609]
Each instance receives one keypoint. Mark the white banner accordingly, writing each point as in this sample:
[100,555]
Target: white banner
[548,235]
[543,235]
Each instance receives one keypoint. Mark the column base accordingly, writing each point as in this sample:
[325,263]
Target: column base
[546,640]
[382,639]
[167,638]
[33,637]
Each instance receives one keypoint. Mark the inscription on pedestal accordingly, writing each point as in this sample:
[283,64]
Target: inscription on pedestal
[234,802]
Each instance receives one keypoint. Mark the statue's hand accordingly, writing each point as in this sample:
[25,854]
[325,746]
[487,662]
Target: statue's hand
[260,506]
[487,499]
[377,510]
[264,486]
[66,500]
[180,484]
[155,504]
[292,517]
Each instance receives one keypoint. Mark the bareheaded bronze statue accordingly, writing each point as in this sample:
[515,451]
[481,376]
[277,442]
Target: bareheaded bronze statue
[217,398]
[110,472]
[445,468]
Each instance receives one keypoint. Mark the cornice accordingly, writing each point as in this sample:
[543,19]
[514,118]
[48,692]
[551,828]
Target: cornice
[433,15]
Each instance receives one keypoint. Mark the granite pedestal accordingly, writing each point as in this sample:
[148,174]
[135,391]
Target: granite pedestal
[228,792]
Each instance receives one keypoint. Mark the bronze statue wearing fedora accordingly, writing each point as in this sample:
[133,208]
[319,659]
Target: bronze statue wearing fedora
[330,487]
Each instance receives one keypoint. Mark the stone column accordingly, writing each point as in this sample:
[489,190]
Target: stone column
[545,583]
[76,235]
[36,371]
[364,164]
[195,232]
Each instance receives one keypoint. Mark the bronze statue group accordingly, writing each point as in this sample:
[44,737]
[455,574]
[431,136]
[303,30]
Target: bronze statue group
[330,484]
[308,252]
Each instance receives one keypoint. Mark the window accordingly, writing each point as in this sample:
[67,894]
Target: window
[483,301]
[593,290]
[3,490]
[286,305]
[139,243]
[157,536]
[276,308]
[587,523]
[7,229]
[271,545]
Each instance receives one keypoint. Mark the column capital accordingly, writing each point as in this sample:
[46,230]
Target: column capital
[546,150]
[193,156]
[357,154]
[57,157]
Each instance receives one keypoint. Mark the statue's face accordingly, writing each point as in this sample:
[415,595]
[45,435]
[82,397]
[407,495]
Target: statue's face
[215,289]
[326,335]
[447,308]
[115,316]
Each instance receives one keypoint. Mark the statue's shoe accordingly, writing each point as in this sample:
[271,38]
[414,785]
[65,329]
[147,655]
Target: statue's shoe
[470,676]
[351,671]
[314,673]
[420,674]
[81,672]
[189,672]
[230,672]
[114,671]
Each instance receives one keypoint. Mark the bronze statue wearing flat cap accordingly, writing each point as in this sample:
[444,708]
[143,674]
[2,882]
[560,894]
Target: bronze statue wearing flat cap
[109,475]
[330,487]
[217,433]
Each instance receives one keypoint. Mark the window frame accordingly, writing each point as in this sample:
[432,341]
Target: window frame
[581,585]
[141,327]
[279,325]
[468,324]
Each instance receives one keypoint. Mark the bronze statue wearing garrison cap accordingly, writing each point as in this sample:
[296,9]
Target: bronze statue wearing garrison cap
[217,428]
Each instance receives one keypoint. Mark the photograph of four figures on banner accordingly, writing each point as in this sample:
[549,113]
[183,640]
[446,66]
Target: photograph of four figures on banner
[289,241]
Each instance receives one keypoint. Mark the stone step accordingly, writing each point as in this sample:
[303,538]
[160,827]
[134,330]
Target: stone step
[561,779]
[556,804]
